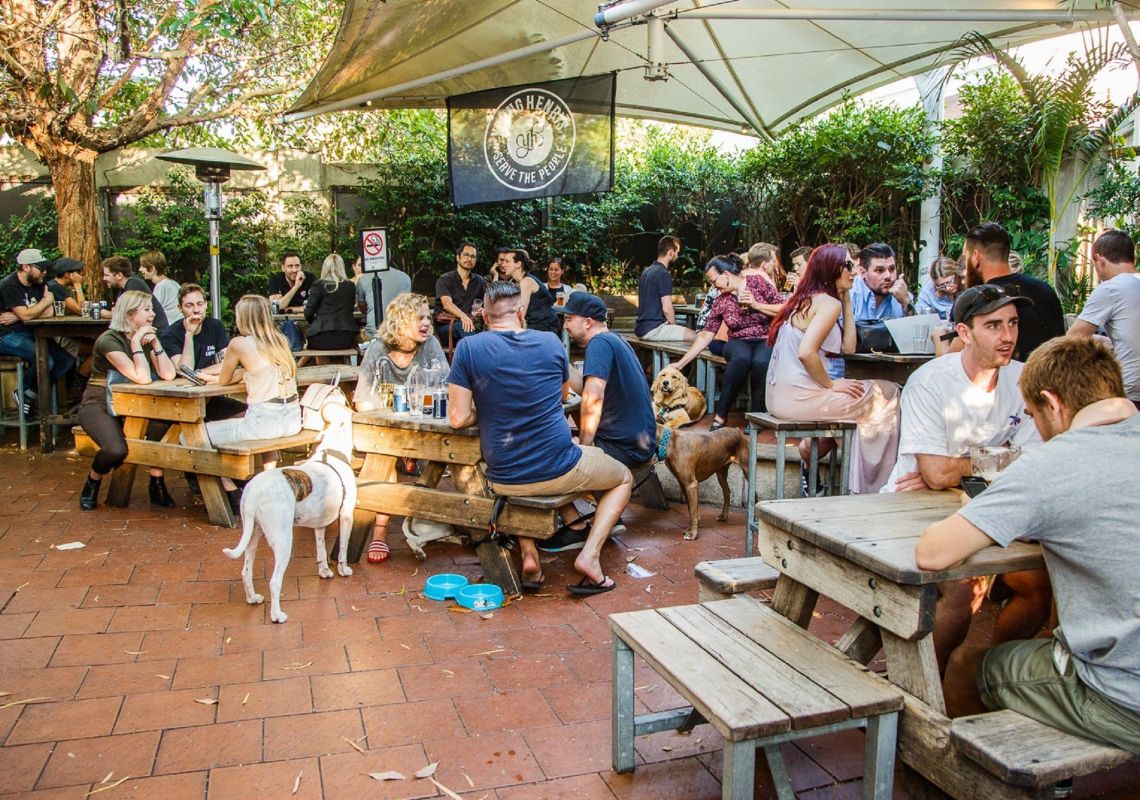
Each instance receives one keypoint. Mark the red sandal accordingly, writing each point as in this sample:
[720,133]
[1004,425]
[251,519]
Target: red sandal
[378,552]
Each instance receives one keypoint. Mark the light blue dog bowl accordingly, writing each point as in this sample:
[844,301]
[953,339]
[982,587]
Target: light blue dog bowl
[480,596]
[443,586]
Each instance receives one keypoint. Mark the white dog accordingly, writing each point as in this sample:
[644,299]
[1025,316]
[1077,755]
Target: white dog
[313,494]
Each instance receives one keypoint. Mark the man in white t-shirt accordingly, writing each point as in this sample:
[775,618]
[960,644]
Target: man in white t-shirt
[1114,305]
[152,267]
[961,400]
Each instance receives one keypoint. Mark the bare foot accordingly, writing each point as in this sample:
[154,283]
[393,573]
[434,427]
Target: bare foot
[591,569]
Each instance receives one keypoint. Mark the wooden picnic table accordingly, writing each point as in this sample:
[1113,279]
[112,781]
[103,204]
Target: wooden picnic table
[184,404]
[858,550]
[44,330]
[690,311]
[383,436]
[893,367]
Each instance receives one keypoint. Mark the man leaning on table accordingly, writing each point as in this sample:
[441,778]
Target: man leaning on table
[1076,495]
[515,377]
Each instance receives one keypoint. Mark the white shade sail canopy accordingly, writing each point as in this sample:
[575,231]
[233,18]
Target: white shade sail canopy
[752,66]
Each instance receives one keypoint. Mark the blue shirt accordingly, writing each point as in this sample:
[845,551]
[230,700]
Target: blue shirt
[863,303]
[930,301]
[655,283]
[516,379]
[628,429]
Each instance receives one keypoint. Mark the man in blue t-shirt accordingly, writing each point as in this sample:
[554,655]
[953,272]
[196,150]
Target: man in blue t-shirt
[617,414]
[514,376]
[655,317]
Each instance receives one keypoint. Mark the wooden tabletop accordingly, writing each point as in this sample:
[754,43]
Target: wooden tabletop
[910,359]
[180,387]
[879,532]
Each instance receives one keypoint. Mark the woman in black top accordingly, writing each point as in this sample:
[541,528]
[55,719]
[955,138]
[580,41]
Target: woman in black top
[537,301]
[129,350]
[329,309]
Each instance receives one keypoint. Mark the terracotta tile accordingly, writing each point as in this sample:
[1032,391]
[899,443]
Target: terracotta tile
[138,678]
[13,626]
[266,699]
[186,786]
[97,648]
[150,618]
[466,645]
[490,760]
[29,653]
[196,672]
[66,793]
[33,599]
[416,625]
[444,679]
[311,734]
[45,722]
[377,654]
[194,592]
[230,614]
[581,787]
[320,661]
[269,780]
[526,671]
[371,606]
[127,594]
[69,621]
[346,774]
[684,779]
[504,711]
[843,791]
[165,573]
[317,610]
[406,723]
[250,638]
[589,666]
[97,576]
[165,710]
[576,749]
[21,765]
[356,689]
[180,644]
[580,702]
[89,760]
[53,683]
[671,745]
[209,746]
[841,754]
[358,629]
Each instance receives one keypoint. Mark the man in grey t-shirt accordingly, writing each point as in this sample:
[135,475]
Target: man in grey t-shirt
[1114,305]
[1076,495]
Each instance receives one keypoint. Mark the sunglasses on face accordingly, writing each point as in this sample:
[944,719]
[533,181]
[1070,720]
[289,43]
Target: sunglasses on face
[849,266]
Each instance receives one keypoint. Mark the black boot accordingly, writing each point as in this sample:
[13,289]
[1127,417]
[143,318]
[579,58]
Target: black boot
[234,496]
[158,494]
[89,497]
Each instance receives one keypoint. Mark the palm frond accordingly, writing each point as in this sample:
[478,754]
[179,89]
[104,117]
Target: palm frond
[978,45]
[1102,136]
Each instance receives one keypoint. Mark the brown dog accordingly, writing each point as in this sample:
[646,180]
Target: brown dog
[675,402]
[692,456]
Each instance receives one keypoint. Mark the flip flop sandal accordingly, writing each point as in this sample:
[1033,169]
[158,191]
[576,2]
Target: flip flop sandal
[588,586]
[716,426]
[533,586]
[378,552]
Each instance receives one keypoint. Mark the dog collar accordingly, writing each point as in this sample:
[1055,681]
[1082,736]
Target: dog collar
[667,409]
[663,443]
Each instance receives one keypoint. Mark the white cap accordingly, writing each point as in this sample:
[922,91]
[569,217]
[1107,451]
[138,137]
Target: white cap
[31,256]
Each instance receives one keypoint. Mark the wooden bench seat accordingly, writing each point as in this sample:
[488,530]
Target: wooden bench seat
[719,580]
[661,352]
[304,356]
[258,446]
[1024,752]
[759,680]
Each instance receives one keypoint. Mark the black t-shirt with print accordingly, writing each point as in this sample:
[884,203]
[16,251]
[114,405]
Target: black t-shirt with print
[14,294]
[279,284]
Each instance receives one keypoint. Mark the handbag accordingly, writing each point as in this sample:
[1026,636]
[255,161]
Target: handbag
[314,399]
[872,336]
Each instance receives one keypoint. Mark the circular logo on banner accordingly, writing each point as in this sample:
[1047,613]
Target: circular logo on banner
[529,140]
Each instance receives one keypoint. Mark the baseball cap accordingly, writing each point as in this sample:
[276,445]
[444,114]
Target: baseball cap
[584,304]
[31,257]
[64,265]
[984,299]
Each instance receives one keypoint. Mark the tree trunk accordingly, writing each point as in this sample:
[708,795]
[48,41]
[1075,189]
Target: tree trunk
[73,182]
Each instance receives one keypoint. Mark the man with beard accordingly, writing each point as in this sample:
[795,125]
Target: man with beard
[119,276]
[23,298]
[879,292]
[456,293]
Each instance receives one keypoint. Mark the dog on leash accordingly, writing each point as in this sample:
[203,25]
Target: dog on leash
[693,456]
[314,494]
[675,402]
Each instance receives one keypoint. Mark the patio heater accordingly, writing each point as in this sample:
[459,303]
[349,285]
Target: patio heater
[212,166]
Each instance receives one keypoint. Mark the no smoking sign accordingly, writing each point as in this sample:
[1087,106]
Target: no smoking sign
[374,249]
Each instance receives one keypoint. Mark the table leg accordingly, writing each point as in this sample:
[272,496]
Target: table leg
[496,561]
[43,387]
[123,478]
[379,468]
[621,715]
[913,667]
[879,756]
[214,497]
[794,600]
[750,493]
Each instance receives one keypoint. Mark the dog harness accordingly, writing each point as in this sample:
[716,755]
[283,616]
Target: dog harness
[668,410]
[663,443]
[299,482]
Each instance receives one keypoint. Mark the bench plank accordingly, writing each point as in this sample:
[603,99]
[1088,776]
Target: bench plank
[1025,752]
[774,423]
[731,576]
[864,692]
[734,708]
[175,456]
[464,510]
[252,446]
[453,448]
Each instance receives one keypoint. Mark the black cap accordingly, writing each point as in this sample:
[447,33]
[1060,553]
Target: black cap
[584,304]
[984,299]
[64,265]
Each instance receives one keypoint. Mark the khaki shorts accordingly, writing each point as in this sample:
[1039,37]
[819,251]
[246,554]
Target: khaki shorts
[1037,678]
[595,471]
[669,333]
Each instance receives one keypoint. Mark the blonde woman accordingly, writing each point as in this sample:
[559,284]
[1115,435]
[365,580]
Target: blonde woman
[129,351]
[404,341]
[270,377]
[937,296]
[329,309]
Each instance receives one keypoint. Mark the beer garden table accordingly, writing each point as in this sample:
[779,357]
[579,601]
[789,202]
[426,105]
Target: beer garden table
[858,550]
[883,366]
[44,330]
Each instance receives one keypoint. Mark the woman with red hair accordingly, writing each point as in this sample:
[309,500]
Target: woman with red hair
[807,330]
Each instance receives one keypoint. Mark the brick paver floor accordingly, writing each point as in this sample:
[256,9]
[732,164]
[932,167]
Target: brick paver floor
[133,668]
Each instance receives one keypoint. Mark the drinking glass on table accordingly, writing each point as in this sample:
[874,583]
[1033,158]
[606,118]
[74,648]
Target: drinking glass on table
[989,462]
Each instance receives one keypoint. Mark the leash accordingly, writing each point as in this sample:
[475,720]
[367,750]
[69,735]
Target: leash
[504,540]
[668,409]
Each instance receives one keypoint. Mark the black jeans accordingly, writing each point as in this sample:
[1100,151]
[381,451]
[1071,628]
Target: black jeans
[107,431]
[747,359]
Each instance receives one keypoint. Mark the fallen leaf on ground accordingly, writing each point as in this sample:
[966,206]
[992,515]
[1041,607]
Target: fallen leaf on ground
[207,701]
[354,745]
[459,609]
[417,572]
[449,673]
[21,702]
[667,749]
[405,646]
[354,608]
[68,546]
[229,639]
[489,615]
[386,776]
[297,781]
[492,652]
[428,771]
[164,677]
[22,585]
[445,790]
[108,786]
[245,699]
[470,782]
[296,665]
[110,775]
[134,652]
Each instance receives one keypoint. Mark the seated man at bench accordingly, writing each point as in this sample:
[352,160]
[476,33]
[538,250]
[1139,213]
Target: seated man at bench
[514,377]
[1076,495]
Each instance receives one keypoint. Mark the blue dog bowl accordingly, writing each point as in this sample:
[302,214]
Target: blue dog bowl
[443,586]
[480,596]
